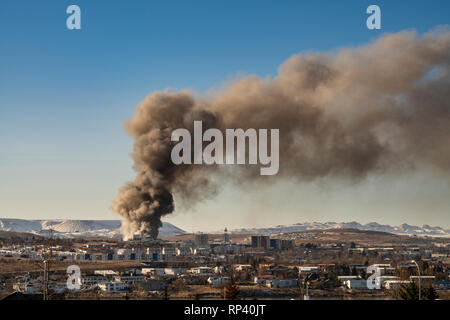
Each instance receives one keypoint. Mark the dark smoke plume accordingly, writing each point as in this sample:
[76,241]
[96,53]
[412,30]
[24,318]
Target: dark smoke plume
[370,109]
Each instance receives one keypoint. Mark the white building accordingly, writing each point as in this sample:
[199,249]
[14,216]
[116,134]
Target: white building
[93,279]
[215,281]
[174,271]
[242,267]
[219,269]
[106,273]
[360,284]
[122,251]
[183,251]
[308,269]
[163,271]
[201,270]
[263,279]
[202,251]
[153,271]
[114,286]
[168,251]
[132,279]
[282,283]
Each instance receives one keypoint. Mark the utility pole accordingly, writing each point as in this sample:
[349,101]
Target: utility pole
[306,296]
[45,279]
[47,264]
[306,282]
[50,242]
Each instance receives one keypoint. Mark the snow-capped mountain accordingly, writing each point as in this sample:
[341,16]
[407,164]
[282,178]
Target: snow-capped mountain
[111,228]
[77,228]
[403,229]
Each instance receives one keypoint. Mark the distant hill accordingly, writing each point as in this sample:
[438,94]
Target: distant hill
[21,235]
[359,237]
[404,229]
[66,228]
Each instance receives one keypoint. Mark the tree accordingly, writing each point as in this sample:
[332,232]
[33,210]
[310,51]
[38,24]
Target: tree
[429,293]
[231,291]
[411,292]
[166,293]
[255,264]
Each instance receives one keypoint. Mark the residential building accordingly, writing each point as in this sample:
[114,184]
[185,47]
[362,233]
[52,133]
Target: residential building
[114,286]
[360,284]
[201,240]
[201,270]
[215,281]
[129,279]
[282,283]
[90,279]
[263,279]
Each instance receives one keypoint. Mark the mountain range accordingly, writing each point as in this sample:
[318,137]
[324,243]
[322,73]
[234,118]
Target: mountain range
[404,229]
[67,228]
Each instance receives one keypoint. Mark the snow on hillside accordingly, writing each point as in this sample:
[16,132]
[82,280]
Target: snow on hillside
[403,229]
[111,228]
[19,225]
[77,228]
[169,230]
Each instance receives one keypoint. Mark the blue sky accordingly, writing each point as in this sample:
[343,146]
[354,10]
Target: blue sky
[64,94]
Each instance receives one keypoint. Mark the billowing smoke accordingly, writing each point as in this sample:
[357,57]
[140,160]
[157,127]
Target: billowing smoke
[359,111]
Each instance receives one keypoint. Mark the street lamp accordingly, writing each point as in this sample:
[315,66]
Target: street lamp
[418,270]
[306,296]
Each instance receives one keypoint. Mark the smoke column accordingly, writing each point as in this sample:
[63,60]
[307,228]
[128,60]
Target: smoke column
[366,110]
